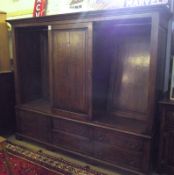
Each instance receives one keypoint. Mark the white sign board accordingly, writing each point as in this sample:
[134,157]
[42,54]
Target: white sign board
[68,6]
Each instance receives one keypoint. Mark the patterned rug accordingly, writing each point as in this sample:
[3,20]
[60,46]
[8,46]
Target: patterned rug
[17,160]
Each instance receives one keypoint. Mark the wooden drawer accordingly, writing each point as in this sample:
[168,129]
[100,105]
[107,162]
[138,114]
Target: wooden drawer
[166,151]
[120,140]
[33,125]
[169,120]
[111,154]
[73,142]
[71,127]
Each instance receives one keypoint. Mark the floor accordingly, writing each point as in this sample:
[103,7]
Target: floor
[38,148]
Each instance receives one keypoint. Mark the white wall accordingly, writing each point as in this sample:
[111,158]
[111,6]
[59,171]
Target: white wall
[15,5]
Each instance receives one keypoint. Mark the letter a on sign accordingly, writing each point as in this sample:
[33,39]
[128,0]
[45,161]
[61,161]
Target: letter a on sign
[39,8]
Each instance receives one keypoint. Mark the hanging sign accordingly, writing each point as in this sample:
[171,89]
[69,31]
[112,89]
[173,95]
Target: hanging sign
[115,4]
[69,6]
[39,8]
[76,4]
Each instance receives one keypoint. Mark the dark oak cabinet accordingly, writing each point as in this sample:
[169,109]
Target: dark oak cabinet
[88,83]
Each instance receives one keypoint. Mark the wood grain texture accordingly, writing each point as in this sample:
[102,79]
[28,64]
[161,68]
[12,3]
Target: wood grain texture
[130,79]
[70,69]
[166,153]
[33,125]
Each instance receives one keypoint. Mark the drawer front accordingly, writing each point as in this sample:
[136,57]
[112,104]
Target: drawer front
[71,127]
[73,142]
[33,125]
[170,120]
[120,140]
[113,155]
[26,123]
[169,151]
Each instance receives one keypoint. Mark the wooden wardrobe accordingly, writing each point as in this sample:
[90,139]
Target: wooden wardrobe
[87,83]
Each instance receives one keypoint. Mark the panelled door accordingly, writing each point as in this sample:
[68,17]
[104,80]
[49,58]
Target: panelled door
[71,69]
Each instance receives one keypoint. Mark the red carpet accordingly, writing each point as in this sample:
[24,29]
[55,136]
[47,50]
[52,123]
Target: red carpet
[17,160]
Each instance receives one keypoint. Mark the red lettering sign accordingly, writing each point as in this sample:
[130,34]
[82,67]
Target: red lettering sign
[39,8]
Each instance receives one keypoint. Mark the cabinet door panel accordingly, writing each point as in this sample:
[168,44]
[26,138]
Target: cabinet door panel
[71,63]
